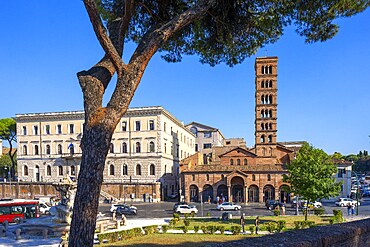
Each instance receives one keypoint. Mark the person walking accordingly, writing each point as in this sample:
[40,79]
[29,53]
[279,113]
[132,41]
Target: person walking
[256,223]
[242,222]
[283,210]
[349,209]
[353,209]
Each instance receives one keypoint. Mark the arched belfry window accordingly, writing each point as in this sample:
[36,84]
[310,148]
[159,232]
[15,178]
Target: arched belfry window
[270,69]
[270,99]
[270,113]
[262,84]
[262,126]
[263,99]
[262,69]
[270,138]
[111,170]
[270,84]
[262,140]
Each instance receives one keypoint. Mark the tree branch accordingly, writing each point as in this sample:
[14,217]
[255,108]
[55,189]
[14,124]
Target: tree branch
[101,34]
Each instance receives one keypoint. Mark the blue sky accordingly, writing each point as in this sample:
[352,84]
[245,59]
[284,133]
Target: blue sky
[323,88]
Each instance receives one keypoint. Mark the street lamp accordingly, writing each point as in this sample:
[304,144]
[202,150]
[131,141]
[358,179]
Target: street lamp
[357,190]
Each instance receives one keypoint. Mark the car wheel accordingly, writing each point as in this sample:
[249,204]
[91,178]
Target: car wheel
[222,209]
[236,209]
[342,205]
[18,220]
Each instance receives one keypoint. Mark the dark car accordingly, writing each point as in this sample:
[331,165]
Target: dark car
[268,203]
[275,204]
[126,210]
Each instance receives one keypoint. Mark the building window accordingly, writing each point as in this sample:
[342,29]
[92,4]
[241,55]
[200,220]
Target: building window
[231,162]
[165,148]
[111,170]
[59,148]
[207,134]
[124,148]
[24,150]
[151,124]
[268,177]
[35,130]
[238,162]
[59,129]
[71,149]
[205,161]
[245,162]
[164,127]
[111,148]
[25,170]
[47,129]
[138,147]
[36,149]
[207,177]
[193,177]
[24,130]
[262,140]
[207,145]
[48,170]
[222,176]
[194,130]
[124,126]
[48,149]
[341,172]
[138,170]
[124,170]
[137,125]
[151,147]
[152,170]
[253,177]
[73,170]
[196,147]
[71,128]
[60,170]
[269,138]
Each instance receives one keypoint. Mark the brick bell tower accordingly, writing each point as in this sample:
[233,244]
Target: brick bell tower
[266,106]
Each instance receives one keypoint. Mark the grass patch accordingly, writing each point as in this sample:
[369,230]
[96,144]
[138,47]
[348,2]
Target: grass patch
[176,239]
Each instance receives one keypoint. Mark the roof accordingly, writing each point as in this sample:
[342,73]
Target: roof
[202,126]
[230,168]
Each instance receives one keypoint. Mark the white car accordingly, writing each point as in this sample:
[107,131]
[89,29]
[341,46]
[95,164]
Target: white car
[44,209]
[228,206]
[343,202]
[114,207]
[186,209]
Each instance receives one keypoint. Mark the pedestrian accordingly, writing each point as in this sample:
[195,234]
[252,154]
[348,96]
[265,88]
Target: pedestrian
[218,199]
[283,210]
[353,209]
[111,199]
[242,222]
[256,223]
[349,209]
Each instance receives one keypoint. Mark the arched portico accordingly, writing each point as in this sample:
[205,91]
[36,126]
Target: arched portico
[253,193]
[284,193]
[193,193]
[207,193]
[237,189]
[268,192]
[222,191]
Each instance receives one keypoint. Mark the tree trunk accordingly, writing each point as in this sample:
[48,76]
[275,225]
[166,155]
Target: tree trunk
[95,145]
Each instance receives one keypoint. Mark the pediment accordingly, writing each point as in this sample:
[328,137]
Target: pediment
[236,173]
[238,152]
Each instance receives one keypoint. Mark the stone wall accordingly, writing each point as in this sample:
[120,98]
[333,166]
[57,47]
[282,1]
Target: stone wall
[352,234]
[30,190]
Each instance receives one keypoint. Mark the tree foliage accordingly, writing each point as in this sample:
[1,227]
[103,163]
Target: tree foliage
[311,174]
[8,132]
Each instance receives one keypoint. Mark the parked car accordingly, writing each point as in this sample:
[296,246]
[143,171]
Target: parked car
[177,204]
[126,210]
[268,203]
[186,209]
[44,208]
[275,205]
[343,202]
[366,193]
[228,206]
[312,205]
[114,207]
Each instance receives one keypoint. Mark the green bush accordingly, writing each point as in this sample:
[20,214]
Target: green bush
[192,214]
[186,222]
[262,227]
[211,229]
[338,216]
[331,220]
[176,216]
[221,229]
[203,227]
[120,235]
[208,214]
[186,216]
[150,229]
[173,222]
[298,225]
[271,227]
[196,229]
[276,212]
[280,225]
[318,211]
[303,224]
[236,229]
[184,229]
[164,228]
[252,229]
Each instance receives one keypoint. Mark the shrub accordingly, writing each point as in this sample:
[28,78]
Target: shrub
[303,224]
[208,214]
[338,216]
[203,227]
[221,229]
[196,229]
[164,228]
[318,211]
[236,229]
[192,214]
[173,222]
[185,229]
[186,216]
[298,225]
[271,226]
[120,235]
[280,225]
[252,229]
[176,216]
[310,224]
[331,220]
[276,212]
[186,222]
[150,229]
[211,229]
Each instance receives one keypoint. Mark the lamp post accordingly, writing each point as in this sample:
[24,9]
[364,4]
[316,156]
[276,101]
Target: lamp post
[357,192]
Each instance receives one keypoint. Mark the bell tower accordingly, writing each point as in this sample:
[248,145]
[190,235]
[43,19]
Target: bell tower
[266,106]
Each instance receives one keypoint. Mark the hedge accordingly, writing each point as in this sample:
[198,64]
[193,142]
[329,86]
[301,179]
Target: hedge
[120,235]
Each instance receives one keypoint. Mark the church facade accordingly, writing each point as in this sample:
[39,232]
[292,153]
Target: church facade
[241,174]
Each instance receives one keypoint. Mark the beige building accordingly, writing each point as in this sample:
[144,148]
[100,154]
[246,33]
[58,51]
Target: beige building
[146,147]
